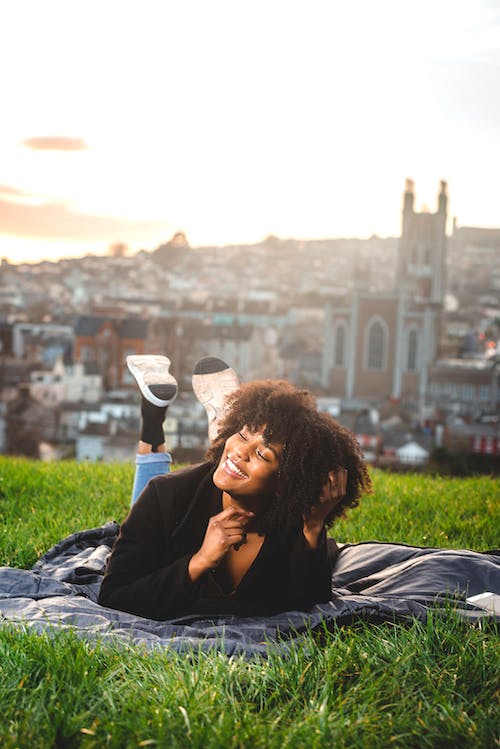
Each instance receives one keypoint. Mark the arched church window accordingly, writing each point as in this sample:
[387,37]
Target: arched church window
[340,345]
[411,362]
[376,345]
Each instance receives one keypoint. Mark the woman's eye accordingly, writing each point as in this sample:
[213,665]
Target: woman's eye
[240,434]
[262,456]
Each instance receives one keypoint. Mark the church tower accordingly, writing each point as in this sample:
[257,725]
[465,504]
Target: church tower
[422,248]
[379,345]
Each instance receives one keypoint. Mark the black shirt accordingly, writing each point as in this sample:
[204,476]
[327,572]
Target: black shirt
[147,571]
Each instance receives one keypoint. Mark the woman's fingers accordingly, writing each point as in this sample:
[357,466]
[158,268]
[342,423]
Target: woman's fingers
[235,535]
[338,482]
[336,486]
[227,529]
[341,482]
[333,491]
[231,524]
[232,512]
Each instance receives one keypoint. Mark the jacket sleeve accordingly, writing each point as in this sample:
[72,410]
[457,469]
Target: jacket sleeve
[310,579]
[141,578]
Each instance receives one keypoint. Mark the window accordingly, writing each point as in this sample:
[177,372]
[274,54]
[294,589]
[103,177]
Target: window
[127,376]
[411,362]
[340,345]
[484,393]
[435,388]
[468,392]
[86,354]
[376,348]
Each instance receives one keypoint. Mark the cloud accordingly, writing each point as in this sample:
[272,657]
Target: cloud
[24,214]
[55,143]
[493,6]
[8,190]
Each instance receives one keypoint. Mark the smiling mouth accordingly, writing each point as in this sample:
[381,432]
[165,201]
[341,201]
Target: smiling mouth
[233,469]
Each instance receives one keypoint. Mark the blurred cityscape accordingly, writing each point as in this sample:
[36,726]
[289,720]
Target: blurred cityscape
[398,337]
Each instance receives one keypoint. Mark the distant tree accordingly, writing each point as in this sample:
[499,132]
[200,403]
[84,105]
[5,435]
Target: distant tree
[40,311]
[179,239]
[23,440]
[172,251]
[271,241]
[28,424]
[118,249]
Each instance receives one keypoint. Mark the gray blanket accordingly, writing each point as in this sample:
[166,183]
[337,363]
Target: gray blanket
[371,581]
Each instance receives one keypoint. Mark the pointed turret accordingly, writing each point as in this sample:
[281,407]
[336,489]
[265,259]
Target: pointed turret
[443,198]
[408,203]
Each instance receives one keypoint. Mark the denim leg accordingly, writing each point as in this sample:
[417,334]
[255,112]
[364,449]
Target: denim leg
[147,467]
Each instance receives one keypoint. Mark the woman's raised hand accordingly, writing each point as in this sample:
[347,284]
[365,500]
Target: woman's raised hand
[224,530]
[332,492]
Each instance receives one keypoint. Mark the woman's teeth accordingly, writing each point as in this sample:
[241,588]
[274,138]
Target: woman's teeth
[234,468]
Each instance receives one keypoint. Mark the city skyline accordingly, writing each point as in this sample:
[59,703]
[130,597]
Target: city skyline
[229,123]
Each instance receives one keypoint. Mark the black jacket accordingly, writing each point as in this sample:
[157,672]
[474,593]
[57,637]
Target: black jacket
[147,570]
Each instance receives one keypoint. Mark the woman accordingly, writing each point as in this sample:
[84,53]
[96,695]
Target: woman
[245,532]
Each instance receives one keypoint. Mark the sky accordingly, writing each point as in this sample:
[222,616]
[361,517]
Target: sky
[230,120]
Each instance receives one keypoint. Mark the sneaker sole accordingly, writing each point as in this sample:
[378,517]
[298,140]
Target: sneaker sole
[213,380]
[155,382]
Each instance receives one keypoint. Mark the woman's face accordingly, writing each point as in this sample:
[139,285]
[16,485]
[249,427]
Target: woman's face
[249,466]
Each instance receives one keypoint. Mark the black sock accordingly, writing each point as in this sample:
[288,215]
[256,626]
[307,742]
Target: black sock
[152,423]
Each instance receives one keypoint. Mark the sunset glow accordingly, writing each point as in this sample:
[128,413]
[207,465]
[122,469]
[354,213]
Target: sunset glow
[229,121]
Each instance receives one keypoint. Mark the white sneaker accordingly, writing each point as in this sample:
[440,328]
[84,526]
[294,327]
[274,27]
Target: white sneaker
[151,373]
[213,380]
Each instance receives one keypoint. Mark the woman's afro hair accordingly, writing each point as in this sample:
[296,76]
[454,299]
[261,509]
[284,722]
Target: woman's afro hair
[313,445]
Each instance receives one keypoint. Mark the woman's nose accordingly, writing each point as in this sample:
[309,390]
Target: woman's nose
[243,450]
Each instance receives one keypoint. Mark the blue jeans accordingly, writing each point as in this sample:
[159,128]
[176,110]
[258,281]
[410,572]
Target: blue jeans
[147,467]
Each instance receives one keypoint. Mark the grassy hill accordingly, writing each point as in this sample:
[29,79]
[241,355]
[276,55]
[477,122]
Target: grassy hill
[432,685]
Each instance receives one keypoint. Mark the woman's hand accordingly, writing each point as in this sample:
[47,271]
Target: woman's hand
[223,531]
[333,491]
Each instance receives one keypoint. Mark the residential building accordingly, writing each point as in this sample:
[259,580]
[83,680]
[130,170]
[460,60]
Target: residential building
[465,385]
[106,343]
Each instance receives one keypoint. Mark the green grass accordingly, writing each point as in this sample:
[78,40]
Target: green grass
[422,685]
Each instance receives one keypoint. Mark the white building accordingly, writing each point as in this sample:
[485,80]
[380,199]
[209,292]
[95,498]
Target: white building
[72,384]
[412,454]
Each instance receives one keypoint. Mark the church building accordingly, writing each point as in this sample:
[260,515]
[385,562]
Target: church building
[379,346]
